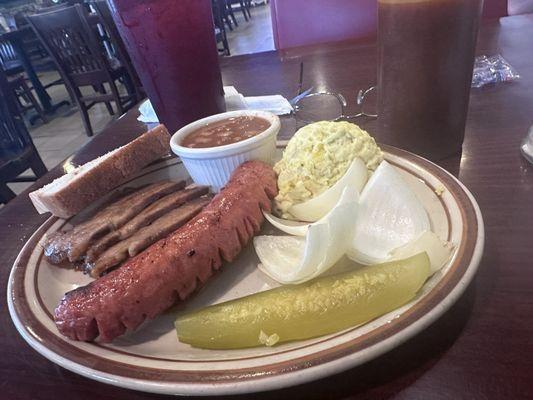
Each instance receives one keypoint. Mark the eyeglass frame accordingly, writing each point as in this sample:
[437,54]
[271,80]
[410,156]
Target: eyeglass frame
[342,102]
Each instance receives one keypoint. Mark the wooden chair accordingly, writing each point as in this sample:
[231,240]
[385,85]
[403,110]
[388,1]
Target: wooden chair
[53,8]
[114,40]
[81,61]
[17,151]
[243,6]
[227,13]
[9,61]
[14,72]
[34,48]
[220,29]
[25,98]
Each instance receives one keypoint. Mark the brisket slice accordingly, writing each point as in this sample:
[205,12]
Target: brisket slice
[145,236]
[172,268]
[144,218]
[73,244]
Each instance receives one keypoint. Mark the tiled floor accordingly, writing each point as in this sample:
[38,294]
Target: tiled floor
[64,133]
[253,36]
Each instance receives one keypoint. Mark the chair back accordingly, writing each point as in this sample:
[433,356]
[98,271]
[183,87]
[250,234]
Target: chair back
[68,38]
[14,137]
[20,20]
[51,8]
[218,13]
[8,57]
[112,35]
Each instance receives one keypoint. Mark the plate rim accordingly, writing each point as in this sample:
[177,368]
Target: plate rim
[266,380]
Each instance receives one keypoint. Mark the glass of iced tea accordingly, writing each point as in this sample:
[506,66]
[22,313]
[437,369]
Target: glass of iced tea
[425,58]
[172,46]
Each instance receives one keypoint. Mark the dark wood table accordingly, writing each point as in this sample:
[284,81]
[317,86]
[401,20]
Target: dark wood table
[482,348]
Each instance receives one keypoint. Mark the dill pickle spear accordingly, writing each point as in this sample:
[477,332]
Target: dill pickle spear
[321,306]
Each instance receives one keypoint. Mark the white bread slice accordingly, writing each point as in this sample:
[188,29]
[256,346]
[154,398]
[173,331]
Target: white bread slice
[72,192]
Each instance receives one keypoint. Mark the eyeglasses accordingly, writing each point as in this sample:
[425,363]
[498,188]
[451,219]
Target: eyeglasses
[319,106]
[329,106]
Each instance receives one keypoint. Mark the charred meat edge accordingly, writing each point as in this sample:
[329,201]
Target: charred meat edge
[146,236]
[146,217]
[174,267]
[72,245]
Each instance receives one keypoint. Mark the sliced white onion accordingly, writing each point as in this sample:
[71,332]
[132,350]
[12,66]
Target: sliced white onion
[316,208]
[438,250]
[286,225]
[390,216]
[289,259]
[350,194]
[280,254]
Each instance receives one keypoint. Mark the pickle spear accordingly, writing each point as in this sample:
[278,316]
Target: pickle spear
[294,312]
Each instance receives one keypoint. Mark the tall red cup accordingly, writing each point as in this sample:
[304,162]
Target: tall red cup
[173,48]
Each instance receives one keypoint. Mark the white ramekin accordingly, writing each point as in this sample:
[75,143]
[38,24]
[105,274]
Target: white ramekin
[213,165]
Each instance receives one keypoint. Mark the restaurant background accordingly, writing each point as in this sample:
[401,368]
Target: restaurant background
[478,348]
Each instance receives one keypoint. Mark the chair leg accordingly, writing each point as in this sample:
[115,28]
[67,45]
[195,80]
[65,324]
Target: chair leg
[116,96]
[139,91]
[224,35]
[70,93]
[228,22]
[224,12]
[85,119]
[20,106]
[225,43]
[6,194]
[33,101]
[229,9]
[101,89]
[36,164]
[243,9]
[130,87]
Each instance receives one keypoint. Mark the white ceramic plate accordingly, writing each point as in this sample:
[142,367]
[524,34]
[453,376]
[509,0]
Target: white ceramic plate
[153,360]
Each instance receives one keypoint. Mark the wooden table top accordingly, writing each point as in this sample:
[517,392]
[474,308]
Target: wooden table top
[482,348]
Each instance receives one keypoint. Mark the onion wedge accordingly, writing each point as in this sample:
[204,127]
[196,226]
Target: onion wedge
[438,250]
[291,227]
[390,216]
[290,259]
[299,228]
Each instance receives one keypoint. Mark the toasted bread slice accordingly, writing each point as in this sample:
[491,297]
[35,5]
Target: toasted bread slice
[72,192]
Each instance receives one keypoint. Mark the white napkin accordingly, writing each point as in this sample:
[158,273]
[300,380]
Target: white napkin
[527,146]
[147,112]
[234,100]
[276,104]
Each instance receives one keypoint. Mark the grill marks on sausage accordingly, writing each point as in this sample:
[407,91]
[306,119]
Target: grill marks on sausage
[172,268]
[73,244]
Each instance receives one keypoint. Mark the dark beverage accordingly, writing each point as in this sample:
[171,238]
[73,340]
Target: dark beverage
[172,46]
[425,61]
